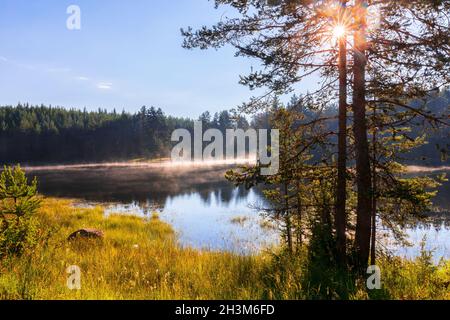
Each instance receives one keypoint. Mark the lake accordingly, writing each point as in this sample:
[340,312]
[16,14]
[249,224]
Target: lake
[205,210]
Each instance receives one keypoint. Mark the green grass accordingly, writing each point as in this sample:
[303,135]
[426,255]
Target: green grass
[140,259]
[137,259]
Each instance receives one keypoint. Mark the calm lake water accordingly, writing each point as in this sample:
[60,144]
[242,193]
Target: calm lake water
[205,209]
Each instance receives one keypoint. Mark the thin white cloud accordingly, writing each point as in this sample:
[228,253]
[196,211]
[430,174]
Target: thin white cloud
[81,78]
[18,64]
[36,67]
[58,70]
[64,72]
[104,85]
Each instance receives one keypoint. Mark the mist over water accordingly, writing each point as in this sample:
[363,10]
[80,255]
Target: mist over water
[194,198]
[156,164]
[125,183]
[206,210]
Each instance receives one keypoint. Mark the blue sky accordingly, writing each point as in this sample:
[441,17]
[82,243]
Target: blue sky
[127,54]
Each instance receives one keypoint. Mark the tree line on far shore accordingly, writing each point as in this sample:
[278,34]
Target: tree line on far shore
[42,134]
[45,134]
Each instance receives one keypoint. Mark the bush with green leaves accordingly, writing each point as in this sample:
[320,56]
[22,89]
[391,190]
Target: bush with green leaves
[18,202]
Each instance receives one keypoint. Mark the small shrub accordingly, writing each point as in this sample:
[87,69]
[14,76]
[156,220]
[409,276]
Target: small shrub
[18,203]
[18,235]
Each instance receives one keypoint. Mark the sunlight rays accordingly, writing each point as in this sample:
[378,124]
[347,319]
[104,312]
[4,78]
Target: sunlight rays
[339,31]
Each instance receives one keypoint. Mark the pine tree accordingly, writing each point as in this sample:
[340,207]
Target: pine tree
[401,57]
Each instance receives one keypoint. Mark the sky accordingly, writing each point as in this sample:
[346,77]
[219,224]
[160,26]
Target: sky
[127,54]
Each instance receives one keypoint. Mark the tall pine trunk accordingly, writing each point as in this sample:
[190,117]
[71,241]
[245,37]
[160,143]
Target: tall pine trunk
[341,186]
[299,217]
[363,171]
[288,219]
[373,250]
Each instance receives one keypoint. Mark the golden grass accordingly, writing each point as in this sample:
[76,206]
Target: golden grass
[137,259]
[140,259]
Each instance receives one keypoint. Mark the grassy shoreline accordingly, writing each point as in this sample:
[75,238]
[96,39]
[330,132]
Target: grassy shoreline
[140,259]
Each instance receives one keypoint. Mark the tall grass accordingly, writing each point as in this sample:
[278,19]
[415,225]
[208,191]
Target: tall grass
[140,259]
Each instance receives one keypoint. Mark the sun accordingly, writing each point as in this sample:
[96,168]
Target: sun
[339,31]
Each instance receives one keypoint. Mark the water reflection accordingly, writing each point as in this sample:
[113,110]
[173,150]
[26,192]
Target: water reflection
[205,220]
[436,240]
[135,185]
[201,204]
[198,202]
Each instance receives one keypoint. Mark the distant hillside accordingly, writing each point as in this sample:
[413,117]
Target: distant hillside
[41,134]
[55,135]
[436,151]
